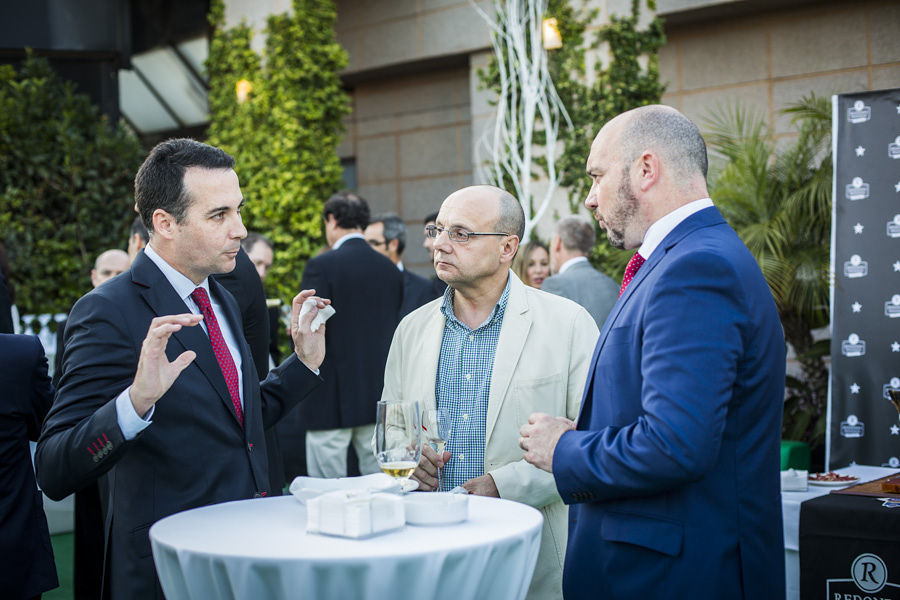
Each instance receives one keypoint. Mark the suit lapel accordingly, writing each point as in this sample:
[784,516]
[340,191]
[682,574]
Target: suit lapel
[428,351]
[162,299]
[702,218]
[513,333]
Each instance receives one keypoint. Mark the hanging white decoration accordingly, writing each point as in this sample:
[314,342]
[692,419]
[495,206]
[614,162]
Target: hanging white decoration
[527,100]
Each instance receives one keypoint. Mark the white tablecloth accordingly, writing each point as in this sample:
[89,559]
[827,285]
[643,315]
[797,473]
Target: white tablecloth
[790,513]
[260,549]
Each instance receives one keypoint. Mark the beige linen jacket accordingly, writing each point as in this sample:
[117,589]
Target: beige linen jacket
[540,365]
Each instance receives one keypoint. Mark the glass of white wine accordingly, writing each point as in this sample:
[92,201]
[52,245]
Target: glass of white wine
[398,438]
[436,427]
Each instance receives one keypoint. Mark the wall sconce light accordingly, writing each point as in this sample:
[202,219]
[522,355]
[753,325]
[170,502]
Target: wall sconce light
[242,89]
[550,34]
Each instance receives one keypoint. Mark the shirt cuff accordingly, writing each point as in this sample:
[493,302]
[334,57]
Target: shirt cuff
[129,421]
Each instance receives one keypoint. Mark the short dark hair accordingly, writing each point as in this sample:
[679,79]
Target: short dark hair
[159,182]
[137,228]
[576,233]
[394,229]
[350,210]
[252,237]
[430,218]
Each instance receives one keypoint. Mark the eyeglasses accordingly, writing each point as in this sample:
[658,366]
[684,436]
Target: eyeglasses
[378,242]
[456,234]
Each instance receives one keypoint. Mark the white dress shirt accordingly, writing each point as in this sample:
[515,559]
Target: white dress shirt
[129,422]
[664,226]
[349,236]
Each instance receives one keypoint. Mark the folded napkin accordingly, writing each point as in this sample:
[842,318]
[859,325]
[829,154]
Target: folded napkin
[304,488]
[354,514]
[323,315]
[794,481]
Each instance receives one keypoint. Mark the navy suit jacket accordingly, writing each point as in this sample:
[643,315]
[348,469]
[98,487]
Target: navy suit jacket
[673,471]
[28,568]
[194,452]
[366,290]
[417,291]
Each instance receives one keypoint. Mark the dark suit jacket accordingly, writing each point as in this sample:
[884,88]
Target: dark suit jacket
[673,472]
[28,568]
[193,454]
[366,290]
[587,286]
[417,291]
[244,284]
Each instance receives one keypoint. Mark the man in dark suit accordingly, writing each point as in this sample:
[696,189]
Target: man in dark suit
[28,569]
[437,285]
[387,235]
[366,290]
[573,276]
[672,470]
[158,389]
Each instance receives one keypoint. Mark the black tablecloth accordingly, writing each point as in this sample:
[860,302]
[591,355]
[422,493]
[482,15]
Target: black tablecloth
[849,549]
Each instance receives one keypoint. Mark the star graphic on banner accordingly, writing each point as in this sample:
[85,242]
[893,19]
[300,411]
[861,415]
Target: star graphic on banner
[860,151]
[895,430]
[858,228]
[897,266]
[854,388]
[856,306]
[895,347]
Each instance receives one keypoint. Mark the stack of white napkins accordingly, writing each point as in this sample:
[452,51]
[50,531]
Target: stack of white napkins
[793,480]
[304,488]
[354,514]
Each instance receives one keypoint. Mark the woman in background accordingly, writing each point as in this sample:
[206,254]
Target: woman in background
[532,263]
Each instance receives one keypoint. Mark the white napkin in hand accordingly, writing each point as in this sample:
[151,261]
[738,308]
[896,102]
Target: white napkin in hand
[323,315]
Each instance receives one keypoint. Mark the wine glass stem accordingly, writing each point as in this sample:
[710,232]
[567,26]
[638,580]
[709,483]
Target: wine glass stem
[440,484]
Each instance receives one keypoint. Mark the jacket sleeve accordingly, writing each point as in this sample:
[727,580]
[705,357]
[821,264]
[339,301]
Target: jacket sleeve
[521,481]
[690,341]
[81,439]
[40,391]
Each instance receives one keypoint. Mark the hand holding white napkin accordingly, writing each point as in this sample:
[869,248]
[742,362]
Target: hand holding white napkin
[323,315]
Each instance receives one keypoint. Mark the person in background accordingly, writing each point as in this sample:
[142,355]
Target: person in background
[366,290]
[387,235]
[28,569]
[137,239]
[261,251]
[532,263]
[573,276]
[684,400]
[490,351]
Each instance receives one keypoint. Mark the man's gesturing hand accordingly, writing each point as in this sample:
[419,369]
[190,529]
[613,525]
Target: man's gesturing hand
[540,436]
[309,346]
[155,374]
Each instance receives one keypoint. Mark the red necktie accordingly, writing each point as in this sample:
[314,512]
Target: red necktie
[220,348]
[631,270]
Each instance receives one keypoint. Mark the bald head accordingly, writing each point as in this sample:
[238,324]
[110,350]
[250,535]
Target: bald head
[664,130]
[510,217]
[108,265]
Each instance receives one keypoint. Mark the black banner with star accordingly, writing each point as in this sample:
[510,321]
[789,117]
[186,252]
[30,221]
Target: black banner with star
[863,425]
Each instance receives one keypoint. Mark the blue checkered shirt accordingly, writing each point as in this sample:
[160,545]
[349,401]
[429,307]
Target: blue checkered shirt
[463,386]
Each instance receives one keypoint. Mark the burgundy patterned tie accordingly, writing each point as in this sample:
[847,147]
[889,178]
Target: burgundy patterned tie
[220,348]
[631,270]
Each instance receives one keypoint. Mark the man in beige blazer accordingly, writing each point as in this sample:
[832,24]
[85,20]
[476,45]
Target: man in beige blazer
[538,348]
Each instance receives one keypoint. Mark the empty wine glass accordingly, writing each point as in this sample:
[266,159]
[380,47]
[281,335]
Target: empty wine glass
[436,426]
[398,439]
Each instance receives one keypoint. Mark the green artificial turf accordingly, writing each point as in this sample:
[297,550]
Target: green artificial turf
[64,553]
